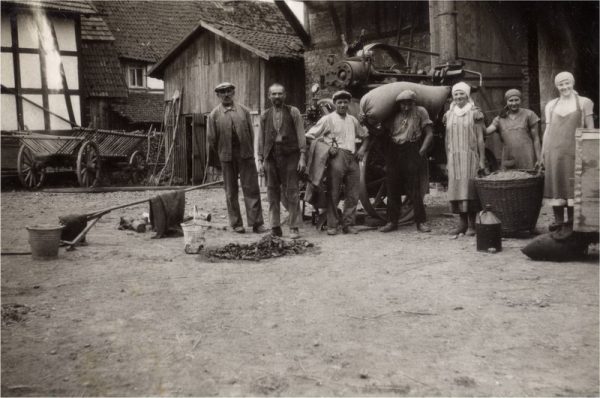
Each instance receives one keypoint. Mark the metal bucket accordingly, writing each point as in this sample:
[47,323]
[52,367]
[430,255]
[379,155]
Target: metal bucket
[193,236]
[44,241]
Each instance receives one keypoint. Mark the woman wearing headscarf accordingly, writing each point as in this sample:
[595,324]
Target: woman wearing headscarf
[563,116]
[465,150]
[518,128]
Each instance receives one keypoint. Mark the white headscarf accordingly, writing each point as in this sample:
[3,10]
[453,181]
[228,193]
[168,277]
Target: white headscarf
[465,88]
[462,86]
[564,76]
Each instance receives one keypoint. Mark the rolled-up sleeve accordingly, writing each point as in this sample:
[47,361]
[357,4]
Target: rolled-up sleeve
[359,130]
[318,129]
[424,117]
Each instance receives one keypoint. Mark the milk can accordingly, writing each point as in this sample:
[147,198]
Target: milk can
[489,231]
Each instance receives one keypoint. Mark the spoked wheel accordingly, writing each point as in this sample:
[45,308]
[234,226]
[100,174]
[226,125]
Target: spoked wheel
[31,172]
[138,166]
[88,164]
[373,192]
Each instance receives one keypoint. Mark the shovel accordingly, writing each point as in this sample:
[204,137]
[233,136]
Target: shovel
[77,224]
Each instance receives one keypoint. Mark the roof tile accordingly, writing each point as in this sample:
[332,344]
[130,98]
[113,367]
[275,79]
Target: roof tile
[142,108]
[159,25]
[102,75]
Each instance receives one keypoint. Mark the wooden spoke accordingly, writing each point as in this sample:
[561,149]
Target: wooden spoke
[31,173]
[88,164]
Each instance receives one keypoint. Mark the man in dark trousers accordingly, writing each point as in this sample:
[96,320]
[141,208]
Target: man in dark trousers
[340,130]
[410,137]
[281,156]
[230,134]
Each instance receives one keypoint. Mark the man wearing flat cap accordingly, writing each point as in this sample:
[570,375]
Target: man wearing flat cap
[340,130]
[410,136]
[230,134]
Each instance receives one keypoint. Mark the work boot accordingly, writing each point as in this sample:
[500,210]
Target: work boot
[423,227]
[332,231]
[259,229]
[239,230]
[462,225]
[276,231]
[389,227]
[349,229]
[471,228]
[294,233]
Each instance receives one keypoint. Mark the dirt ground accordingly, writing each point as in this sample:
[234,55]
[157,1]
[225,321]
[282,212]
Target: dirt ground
[369,314]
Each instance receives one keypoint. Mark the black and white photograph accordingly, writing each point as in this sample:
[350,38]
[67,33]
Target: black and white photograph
[300,198]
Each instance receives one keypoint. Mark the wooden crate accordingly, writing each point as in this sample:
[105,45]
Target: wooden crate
[587,172]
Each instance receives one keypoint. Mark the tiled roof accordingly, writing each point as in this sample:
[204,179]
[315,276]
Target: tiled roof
[158,26]
[142,108]
[102,75]
[69,6]
[94,28]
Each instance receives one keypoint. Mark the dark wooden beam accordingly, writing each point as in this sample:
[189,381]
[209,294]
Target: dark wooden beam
[291,18]
[14,32]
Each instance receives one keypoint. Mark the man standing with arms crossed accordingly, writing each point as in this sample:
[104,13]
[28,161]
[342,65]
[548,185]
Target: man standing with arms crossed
[281,156]
[230,134]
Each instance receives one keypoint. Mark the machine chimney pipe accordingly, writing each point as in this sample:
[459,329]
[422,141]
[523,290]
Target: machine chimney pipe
[448,31]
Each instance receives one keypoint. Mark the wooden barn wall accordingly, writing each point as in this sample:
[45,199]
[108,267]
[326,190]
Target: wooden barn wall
[195,72]
[490,31]
[208,60]
[290,74]
[568,40]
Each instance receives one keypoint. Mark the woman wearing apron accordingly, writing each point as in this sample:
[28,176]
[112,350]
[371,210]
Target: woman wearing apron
[465,150]
[518,128]
[563,116]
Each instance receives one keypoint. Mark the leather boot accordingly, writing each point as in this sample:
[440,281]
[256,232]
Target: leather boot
[471,228]
[462,225]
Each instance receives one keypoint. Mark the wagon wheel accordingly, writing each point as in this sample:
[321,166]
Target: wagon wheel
[88,164]
[373,192]
[138,166]
[31,172]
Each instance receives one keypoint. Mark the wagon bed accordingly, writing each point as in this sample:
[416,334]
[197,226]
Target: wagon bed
[86,150]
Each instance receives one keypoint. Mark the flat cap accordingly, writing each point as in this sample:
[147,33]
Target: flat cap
[342,94]
[223,86]
[407,95]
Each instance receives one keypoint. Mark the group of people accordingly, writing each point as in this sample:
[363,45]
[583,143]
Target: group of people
[282,154]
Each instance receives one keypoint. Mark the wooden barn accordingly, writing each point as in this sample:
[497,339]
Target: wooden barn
[247,43]
[41,69]
[512,44]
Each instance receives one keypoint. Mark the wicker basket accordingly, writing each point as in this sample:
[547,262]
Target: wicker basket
[516,203]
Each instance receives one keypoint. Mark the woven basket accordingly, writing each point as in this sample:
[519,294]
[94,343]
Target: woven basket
[516,203]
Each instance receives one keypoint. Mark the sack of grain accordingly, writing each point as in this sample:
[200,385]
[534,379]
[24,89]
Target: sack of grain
[379,103]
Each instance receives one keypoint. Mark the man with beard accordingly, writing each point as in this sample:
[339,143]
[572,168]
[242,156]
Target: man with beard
[281,156]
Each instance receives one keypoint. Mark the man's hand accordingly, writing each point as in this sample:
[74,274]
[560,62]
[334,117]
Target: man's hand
[423,152]
[301,164]
[261,168]
[360,154]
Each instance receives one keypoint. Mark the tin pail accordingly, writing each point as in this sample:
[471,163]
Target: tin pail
[44,241]
[193,236]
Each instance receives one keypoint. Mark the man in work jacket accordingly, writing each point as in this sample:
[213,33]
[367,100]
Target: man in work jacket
[282,156]
[340,130]
[230,134]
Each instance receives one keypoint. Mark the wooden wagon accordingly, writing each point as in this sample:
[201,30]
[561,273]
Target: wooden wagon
[87,151]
